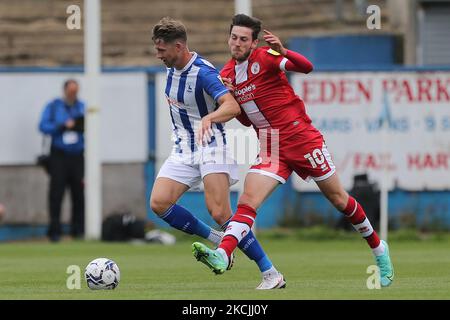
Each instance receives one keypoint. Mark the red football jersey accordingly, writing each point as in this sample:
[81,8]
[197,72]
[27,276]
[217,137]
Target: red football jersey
[264,93]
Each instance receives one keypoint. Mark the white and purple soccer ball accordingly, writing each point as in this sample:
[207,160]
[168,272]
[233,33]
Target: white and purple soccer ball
[102,274]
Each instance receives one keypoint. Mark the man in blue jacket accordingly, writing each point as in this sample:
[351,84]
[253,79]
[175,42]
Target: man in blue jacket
[63,120]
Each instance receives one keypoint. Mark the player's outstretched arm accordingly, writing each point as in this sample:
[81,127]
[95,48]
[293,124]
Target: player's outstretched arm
[296,62]
[228,109]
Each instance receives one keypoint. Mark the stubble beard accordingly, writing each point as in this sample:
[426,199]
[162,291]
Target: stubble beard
[243,57]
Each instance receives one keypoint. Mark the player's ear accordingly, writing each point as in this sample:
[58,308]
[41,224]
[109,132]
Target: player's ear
[180,45]
[254,44]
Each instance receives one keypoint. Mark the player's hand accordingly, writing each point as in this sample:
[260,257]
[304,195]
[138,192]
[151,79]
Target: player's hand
[70,124]
[205,132]
[229,84]
[274,42]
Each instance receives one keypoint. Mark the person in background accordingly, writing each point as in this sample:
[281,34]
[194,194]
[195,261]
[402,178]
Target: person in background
[63,119]
[2,211]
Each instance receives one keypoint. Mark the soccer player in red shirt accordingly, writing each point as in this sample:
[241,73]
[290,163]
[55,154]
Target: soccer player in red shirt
[289,142]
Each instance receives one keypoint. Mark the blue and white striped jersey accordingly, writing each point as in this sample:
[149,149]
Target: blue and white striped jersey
[192,93]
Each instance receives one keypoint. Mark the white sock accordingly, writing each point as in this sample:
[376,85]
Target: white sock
[272,270]
[215,236]
[223,253]
[364,228]
[237,229]
[378,251]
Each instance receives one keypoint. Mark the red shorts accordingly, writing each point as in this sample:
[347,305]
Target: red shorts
[303,152]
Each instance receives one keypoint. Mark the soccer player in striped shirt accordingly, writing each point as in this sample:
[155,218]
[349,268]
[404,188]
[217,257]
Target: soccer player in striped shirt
[193,91]
[257,79]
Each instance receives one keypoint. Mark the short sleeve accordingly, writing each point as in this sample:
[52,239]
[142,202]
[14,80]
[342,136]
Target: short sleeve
[212,83]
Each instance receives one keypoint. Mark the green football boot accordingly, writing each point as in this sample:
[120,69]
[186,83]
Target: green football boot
[386,267]
[211,258]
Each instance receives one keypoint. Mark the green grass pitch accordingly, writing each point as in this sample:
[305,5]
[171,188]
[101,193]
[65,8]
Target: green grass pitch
[332,269]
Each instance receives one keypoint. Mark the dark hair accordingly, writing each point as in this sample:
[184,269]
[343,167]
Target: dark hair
[243,20]
[69,81]
[169,30]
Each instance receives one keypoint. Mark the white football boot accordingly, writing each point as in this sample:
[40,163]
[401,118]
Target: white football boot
[274,280]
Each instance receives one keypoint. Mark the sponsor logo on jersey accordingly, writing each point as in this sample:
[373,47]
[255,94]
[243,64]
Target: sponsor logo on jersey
[245,90]
[245,94]
[173,102]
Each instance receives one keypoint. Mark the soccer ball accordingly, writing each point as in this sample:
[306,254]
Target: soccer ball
[102,274]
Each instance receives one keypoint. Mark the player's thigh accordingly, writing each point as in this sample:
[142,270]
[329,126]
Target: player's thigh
[257,187]
[174,178]
[217,196]
[165,193]
[334,191]
[219,171]
[262,179]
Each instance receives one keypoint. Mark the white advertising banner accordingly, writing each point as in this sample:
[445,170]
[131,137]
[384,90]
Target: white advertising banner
[393,126]
[123,124]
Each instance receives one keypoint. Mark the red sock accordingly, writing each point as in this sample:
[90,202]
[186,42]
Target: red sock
[240,225]
[357,217]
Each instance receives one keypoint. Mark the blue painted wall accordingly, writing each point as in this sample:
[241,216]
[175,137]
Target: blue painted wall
[150,173]
[11,232]
[427,210]
[424,210]
[347,50]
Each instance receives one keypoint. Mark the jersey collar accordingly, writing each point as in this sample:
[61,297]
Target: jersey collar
[188,65]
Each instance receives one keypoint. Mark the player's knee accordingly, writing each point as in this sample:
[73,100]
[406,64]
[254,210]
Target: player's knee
[158,205]
[248,200]
[339,200]
[220,214]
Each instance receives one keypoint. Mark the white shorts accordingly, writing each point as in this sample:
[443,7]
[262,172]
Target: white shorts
[192,171]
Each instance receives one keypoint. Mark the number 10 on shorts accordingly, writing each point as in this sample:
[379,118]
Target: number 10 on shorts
[317,159]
